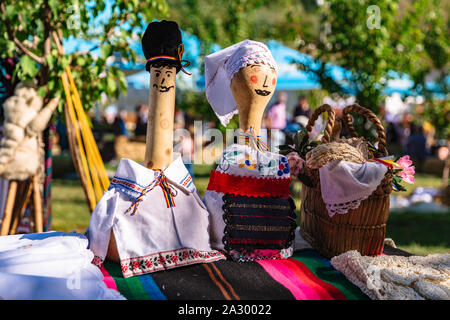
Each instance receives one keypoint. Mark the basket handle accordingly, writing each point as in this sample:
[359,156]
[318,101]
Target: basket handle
[348,121]
[330,122]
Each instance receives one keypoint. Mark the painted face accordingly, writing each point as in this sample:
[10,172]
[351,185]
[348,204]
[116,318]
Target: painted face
[263,79]
[163,78]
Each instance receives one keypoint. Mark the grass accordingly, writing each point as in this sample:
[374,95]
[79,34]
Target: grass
[418,233]
[69,208]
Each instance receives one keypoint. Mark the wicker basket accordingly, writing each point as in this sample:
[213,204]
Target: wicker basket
[362,229]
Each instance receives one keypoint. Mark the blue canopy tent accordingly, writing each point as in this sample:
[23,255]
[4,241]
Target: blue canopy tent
[290,77]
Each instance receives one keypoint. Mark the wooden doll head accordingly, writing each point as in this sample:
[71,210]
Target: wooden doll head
[252,88]
[163,48]
[159,143]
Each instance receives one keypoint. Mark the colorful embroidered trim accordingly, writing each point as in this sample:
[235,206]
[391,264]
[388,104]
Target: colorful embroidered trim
[132,188]
[251,135]
[98,261]
[167,260]
[260,254]
[186,181]
[183,63]
[168,191]
[249,186]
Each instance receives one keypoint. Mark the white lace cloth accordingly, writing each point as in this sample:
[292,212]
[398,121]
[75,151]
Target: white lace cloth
[397,278]
[345,184]
[220,68]
[50,265]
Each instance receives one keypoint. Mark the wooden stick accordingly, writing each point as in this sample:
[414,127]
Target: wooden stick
[9,208]
[159,141]
[21,205]
[37,204]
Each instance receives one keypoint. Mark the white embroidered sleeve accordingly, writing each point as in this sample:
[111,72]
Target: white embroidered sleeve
[102,220]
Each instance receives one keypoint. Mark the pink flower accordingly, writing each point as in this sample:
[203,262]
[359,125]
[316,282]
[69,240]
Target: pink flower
[296,163]
[407,174]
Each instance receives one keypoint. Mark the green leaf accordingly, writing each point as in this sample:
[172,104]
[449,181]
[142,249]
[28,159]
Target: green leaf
[106,51]
[10,11]
[28,66]
[111,84]
[42,91]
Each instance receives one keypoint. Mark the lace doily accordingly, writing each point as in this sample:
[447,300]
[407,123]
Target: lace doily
[397,277]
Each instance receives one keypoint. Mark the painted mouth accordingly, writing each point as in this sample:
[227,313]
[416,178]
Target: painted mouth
[262,92]
[165,89]
[162,88]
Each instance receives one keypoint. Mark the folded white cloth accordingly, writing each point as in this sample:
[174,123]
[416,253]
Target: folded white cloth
[345,184]
[50,265]
[220,68]
[80,286]
[396,277]
[156,237]
[53,254]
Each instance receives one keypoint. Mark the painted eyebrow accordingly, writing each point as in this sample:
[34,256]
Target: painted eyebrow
[255,65]
[168,71]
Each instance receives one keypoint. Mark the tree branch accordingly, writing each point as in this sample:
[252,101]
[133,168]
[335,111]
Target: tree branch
[24,49]
[108,34]
[20,45]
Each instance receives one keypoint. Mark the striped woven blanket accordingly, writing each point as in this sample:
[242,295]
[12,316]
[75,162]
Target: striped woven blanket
[304,276]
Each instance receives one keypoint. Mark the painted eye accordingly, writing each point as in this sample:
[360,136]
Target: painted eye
[274,80]
[157,74]
[254,79]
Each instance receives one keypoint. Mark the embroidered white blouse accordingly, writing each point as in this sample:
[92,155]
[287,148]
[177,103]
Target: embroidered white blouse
[158,236]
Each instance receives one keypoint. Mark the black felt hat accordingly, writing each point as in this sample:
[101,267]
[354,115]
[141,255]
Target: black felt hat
[162,43]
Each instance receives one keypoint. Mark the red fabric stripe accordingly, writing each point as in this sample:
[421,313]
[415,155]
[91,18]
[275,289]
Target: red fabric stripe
[334,292]
[306,278]
[248,186]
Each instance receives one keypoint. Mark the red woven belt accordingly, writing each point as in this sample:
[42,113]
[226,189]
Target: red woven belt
[249,186]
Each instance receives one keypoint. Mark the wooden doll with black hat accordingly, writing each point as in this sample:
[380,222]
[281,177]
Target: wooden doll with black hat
[153,212]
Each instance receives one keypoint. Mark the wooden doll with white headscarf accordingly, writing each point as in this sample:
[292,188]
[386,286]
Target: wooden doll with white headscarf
[252,214]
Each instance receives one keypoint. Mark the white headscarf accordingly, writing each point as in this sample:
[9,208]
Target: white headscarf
[220,68]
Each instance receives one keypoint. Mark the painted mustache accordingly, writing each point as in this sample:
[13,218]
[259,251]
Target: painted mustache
[162,88]
[262,92]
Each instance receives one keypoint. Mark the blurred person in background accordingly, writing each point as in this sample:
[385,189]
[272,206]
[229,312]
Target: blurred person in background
[302,108]
[301,112]
[416,146]
[277,119]
[404,130]
[119,127]
[140,130]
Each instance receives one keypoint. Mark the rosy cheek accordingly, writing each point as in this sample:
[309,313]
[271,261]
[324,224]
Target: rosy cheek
[254,79]
[274,80]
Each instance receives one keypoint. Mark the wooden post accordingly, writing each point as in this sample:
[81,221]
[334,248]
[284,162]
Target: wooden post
[252,88]
[9,208]
[24,194]
[37,205]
